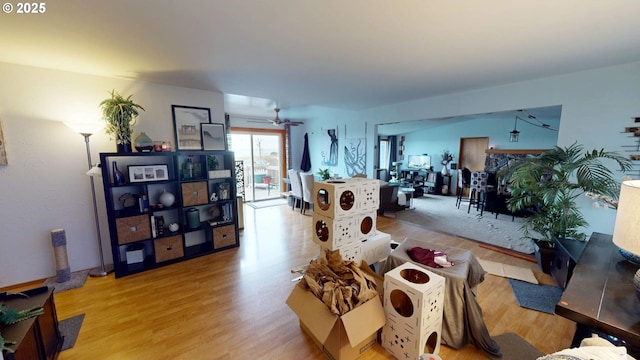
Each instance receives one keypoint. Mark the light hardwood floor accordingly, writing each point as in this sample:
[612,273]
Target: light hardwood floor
[231,305]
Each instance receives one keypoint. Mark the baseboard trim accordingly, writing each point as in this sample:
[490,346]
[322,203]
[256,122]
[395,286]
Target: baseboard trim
[517,254]
[23,286]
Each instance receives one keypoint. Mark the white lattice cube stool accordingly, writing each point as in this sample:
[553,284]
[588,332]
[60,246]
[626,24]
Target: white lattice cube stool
[334,233]
[335,198]
[413,304]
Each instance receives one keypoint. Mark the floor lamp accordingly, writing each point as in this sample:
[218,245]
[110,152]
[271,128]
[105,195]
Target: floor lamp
[102,270]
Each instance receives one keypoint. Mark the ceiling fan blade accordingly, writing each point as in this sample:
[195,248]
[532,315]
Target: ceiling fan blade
[292,123]
[265,121]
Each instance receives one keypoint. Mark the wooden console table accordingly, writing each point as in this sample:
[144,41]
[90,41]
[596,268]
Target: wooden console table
[600,295]
[38,337]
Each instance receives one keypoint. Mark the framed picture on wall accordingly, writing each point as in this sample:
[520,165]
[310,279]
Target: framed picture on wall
[187,123]
[214,137]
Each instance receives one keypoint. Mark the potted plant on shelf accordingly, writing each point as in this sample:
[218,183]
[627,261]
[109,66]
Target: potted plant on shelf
[447,157]
[547,185]
[324,174]
[120,115]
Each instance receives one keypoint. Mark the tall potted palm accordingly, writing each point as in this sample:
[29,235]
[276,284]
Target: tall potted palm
[10,316]
[120,115]
[548,184]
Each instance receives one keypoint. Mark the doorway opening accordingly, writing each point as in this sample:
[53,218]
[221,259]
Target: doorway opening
[262,154]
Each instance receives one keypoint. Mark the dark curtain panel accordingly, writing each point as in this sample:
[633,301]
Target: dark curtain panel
[393,152]
[287,145]
[305,165]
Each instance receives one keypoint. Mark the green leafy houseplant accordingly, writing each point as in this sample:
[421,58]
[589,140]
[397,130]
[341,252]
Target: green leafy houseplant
[10,316]
[549,183]
[212,162]
[120,115]
[324,174]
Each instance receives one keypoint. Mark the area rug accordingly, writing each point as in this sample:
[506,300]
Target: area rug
[77,280]
[536,297]
[439,213]
[267,203]
[514,347]
[69,329]
[508,271]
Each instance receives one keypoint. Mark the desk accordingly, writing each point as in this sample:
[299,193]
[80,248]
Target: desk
[462,321]
[37,337]
[600,295]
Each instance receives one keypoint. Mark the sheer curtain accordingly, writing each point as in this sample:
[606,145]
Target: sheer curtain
[393,153]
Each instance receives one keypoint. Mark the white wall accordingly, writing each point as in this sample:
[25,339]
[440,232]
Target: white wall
[44,186]
[435,140]
[596,106]
[317,121]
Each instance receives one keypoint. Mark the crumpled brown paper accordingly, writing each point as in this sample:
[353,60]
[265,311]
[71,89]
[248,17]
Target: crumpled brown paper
[340,284]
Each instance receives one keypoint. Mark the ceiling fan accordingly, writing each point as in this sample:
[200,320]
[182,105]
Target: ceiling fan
[275,122]
[278,122]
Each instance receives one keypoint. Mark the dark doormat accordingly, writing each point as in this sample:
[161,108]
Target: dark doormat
[536,297]
[69,329]
[514,347]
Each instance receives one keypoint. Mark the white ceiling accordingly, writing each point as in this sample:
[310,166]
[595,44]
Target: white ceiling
[350,54]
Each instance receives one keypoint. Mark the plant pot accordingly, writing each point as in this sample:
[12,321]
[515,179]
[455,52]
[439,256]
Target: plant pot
[124,148]
[544,254]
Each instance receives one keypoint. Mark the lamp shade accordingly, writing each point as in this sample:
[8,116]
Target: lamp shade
[87,127]
[626,233]
[95,170]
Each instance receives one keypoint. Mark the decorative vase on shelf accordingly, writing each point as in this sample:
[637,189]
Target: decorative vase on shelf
[118,176]
[445,170]
[143,143]
[166,198]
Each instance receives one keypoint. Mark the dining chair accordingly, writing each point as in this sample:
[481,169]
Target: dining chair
[464,181]
[478,188]
[307,180]
[296,188]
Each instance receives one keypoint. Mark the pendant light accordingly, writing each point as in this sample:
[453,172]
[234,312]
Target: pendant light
[514,134]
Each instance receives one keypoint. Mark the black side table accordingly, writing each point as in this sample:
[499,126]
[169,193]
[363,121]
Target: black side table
[567,252]
[601,297]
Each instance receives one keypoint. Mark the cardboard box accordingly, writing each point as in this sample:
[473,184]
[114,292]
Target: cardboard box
[339,337]
[376,248]
[368,194]
[334,233]
[366,224]
[335,198]
[351,252]
[414,305]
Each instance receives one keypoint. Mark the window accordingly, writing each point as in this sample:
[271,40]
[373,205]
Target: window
[263,157]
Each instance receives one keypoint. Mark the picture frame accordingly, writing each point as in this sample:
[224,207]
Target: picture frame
[145,173]
[187,123]
[223,191]
[213,137]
